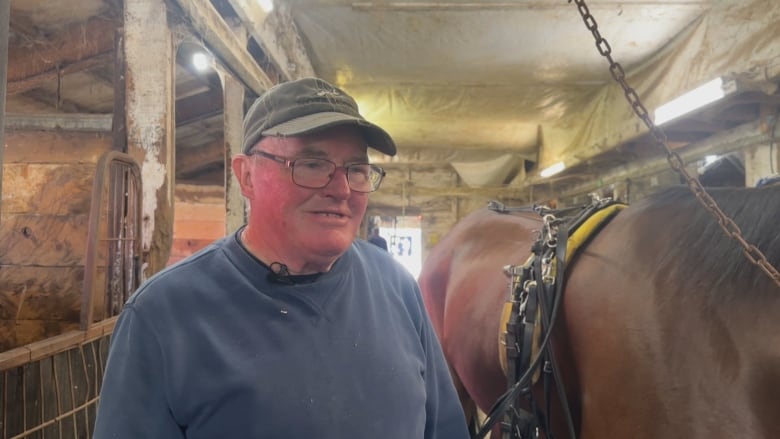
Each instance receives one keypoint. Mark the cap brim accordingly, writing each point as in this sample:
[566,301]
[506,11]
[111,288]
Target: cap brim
[375,136]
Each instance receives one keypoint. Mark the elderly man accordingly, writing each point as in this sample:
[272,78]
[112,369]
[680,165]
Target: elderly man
[290,327]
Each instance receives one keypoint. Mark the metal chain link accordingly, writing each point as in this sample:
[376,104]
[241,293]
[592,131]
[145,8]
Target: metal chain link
[732,230]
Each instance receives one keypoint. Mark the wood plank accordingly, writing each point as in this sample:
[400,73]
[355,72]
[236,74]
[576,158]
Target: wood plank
[119,82]
[46,292]
[199,193]
[37,80]
[5,14]
[55,147]
[198,107]
[198,229]
[43,240]
[234,134]
[50,387]
[149,58]
[47,189]
[185,247]
[7,337]
[60,343]
[199,211]
[75,43]
[16,333]
[209,25]
[278,37]
[193,159]
[46,121]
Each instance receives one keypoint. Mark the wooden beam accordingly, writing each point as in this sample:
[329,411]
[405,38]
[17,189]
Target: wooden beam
[100,123]
[394,192]
[207,23]
[34,239]
[274,33]
[235,210]
[198,107]
[427,157]
[119,119]
[56,102]
[5,12]
[23,27]
[74,44]
[191,159]
[57,146]
[150,125]
[742,137]
[34,81]
[45,348]
[205,194]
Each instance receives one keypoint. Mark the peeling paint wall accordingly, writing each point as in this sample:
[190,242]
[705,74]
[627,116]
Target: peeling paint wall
[149,55]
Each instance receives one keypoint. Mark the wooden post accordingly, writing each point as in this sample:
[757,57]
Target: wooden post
[234,134]
[758,163]
[149,77]
[119,120]
[5,13]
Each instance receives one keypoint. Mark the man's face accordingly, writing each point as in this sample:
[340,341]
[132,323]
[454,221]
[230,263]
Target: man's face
[299,226]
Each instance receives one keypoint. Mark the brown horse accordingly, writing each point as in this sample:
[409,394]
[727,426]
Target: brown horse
[667,330]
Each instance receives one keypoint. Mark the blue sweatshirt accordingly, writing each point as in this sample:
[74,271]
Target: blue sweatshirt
[212,348]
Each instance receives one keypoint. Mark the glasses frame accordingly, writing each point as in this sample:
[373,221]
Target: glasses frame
[290,163]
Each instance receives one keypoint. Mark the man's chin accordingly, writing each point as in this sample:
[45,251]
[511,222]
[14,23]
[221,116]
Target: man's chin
[330,246]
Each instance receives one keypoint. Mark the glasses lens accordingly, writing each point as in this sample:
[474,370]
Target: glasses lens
[364,177]
[312,173]
[317,173]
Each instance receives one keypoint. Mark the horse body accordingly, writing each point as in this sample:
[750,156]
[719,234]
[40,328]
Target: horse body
[463,287]
[666,331]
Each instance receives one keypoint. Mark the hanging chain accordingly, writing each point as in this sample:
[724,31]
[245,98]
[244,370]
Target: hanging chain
[732,230]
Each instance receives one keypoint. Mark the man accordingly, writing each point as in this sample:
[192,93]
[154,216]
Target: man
[291,327]
[376,239]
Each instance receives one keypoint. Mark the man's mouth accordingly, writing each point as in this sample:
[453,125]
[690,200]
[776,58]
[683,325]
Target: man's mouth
[331,214]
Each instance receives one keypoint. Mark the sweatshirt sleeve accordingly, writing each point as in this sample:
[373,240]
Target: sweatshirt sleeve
[445,418]
[133,402]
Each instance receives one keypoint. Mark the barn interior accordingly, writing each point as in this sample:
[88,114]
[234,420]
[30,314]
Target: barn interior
[519,101]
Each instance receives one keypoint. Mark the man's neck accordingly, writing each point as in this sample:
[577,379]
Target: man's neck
[295,267]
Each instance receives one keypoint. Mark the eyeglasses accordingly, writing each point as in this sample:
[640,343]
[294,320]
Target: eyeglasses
[316,173]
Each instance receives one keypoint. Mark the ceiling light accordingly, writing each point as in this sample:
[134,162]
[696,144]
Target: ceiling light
[552,170]
[696,98]
[200,61]
[267,5]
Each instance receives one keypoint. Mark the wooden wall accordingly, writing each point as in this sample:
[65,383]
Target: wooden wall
[198,219]
[47,185]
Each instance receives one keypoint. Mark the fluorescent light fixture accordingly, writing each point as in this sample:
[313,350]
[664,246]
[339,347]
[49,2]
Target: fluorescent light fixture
[267,5]
[696,98]
[552,170]
[200,61]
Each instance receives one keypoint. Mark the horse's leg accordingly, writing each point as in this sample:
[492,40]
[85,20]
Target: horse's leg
[474,416]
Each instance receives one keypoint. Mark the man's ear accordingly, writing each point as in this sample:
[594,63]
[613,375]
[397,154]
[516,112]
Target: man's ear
[242,169]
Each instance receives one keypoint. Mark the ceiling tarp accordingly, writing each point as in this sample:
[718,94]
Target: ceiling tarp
[734,40]
[494,76]
[477,75]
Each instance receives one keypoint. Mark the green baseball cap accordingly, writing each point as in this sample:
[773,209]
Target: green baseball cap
[305,106]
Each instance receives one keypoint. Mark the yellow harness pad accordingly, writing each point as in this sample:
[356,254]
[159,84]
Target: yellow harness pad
[575,241]
[506,312]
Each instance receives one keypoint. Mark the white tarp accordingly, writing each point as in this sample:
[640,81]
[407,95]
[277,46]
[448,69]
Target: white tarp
[525,76]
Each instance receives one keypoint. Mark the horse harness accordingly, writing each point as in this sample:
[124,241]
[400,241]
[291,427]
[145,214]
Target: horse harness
[536,295]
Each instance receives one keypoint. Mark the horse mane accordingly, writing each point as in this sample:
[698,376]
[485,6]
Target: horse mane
[698,254]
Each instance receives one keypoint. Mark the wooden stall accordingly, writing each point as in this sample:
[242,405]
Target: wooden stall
[43,231]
